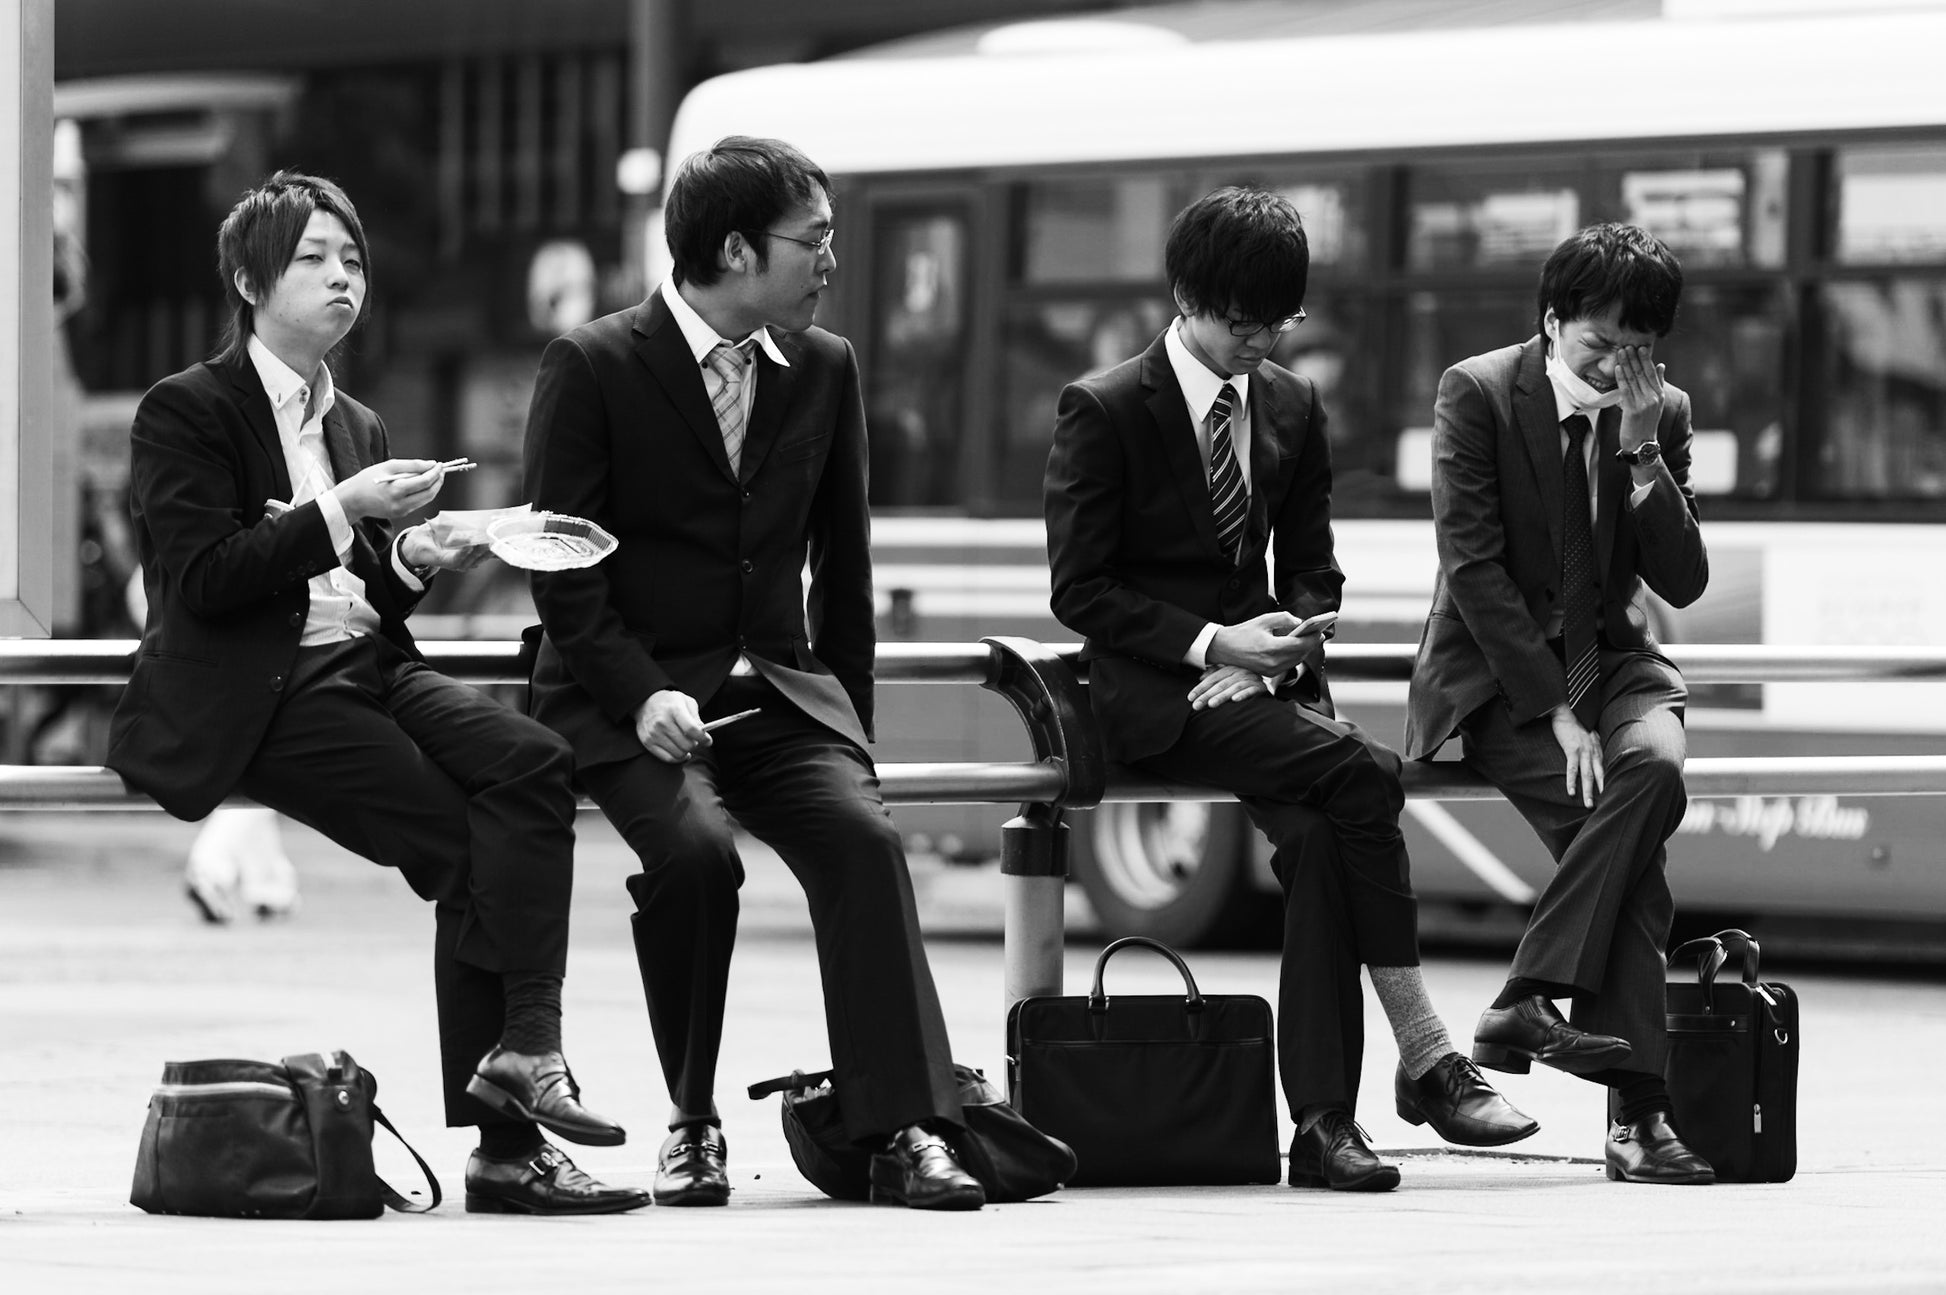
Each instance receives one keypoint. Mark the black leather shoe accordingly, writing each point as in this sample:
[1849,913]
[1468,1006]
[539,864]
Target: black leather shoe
[538,1087]
[546,1182]
[690,1168]
[1460,1105]
[1530,1029]
[1335,1154]
[918,1170]
[1648,1151]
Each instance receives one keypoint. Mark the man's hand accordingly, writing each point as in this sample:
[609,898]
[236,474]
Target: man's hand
[1221,683]
[1262,645]
[669,727]
[393,489]
[1640,382]
[422,547]
[1583,751]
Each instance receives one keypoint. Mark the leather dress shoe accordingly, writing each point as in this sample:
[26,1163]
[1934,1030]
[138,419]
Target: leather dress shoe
[689,1169]
[1531,1029]
[546,1182]
[1460,1105]
[1648,1151]
[918,1170]
[538,1087]
[1334,1154]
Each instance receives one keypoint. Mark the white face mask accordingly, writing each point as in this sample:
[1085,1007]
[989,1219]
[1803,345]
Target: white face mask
[1584,396]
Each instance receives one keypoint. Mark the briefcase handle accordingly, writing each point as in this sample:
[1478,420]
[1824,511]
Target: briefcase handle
[1098,999]
[1711,955]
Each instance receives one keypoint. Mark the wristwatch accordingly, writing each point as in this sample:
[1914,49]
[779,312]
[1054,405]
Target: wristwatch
[1647,454]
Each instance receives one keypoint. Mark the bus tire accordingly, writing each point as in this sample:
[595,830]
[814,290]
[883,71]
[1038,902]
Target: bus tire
[1176,871]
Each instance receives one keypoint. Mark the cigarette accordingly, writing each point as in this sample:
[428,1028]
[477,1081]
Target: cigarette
[459,465]
[715,724]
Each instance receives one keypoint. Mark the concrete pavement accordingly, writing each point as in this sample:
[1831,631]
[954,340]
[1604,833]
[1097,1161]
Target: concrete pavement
[105,973]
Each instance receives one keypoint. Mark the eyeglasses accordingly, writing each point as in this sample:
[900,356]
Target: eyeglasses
[1250,327]
[821,246]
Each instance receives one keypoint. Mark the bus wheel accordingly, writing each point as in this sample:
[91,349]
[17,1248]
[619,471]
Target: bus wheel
[1174,871]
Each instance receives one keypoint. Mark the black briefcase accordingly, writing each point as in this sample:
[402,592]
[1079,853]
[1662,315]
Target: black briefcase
[1150,1089]
[1732,1068]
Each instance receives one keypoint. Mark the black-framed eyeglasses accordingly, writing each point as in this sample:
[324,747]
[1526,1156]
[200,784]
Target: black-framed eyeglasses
[821,246]
[1251,327]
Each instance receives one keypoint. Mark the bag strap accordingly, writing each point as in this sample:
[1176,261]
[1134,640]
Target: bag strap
[1710,957]
[786,1083]
[1752,951]
[392,1198]
[1098,1000]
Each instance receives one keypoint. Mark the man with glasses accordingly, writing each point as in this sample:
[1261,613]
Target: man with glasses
[1174,477]
[721,439]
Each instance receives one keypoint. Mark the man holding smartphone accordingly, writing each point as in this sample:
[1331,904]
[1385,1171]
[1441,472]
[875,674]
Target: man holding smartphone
[1561,497]
[1174,480]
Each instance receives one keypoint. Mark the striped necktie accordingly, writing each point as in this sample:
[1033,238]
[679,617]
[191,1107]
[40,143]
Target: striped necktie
[1228,499]
[1580,589]
[729,362]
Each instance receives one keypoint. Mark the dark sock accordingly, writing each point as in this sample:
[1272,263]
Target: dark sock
[1519,987]
[510,1141]
[533,1021]
[1638,1095]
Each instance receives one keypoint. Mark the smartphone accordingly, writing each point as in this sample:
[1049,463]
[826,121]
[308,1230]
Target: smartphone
[1324,623]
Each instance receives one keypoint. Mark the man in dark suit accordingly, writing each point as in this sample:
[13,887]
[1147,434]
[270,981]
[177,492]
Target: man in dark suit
[721,439]
[276,665]
[1561,496]
[1173,479]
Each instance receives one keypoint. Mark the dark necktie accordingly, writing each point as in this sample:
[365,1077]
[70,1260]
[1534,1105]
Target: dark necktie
[1228,499]
[1580,591]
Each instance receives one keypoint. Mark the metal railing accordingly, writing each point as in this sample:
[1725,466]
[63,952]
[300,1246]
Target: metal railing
[1068,771]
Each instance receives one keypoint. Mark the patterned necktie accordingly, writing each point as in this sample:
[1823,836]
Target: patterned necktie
[729,362]
[1228,499]
[1580,591]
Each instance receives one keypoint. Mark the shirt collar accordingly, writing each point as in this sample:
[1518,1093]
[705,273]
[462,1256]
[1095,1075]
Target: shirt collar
[1564,406]
[701,337]
[282,384]
[1199,386]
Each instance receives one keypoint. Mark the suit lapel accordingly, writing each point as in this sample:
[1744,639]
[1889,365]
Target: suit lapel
[347,458]
[1269,412]
[263,423]
[775,383]
[1541,429]
[1179,451]
[660,344]
[1613,485]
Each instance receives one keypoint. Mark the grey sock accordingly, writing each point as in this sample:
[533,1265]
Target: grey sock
[1420,1033]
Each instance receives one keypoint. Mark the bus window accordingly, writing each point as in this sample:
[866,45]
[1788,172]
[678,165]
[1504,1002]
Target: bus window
[1094,231]
[1332,207]
[1885,378]
[1044,346]
[1471,218]
[915,389]
[1727,352]
[1889,204]
[1332,348]
[1438,330]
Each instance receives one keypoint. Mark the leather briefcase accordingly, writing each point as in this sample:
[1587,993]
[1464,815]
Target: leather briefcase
[1150,1089]
[1732,1071]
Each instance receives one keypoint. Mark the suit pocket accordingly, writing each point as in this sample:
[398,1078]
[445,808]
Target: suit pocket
[804,449]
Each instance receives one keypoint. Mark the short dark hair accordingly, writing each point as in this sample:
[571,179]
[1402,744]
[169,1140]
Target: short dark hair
[260,236]
[737,185]
[1241,249]
[1601,265]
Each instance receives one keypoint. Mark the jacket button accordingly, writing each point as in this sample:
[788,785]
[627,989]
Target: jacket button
[277,683]
[296,619]
[748,566]
[746,496]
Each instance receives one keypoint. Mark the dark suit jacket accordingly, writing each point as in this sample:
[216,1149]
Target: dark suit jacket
[1137,568]
[709,563]
[1497,504]
[227,584]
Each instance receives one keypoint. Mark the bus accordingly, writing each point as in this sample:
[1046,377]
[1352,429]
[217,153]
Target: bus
[1003,198]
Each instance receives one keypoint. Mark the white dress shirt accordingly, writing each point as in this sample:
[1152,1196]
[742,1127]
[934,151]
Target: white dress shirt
[339,609]
[1200,387]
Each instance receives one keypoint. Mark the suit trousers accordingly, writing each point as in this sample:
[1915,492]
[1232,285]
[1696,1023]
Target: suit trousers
[814,797]
[469,800]
[1602,923]
[1328,798]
